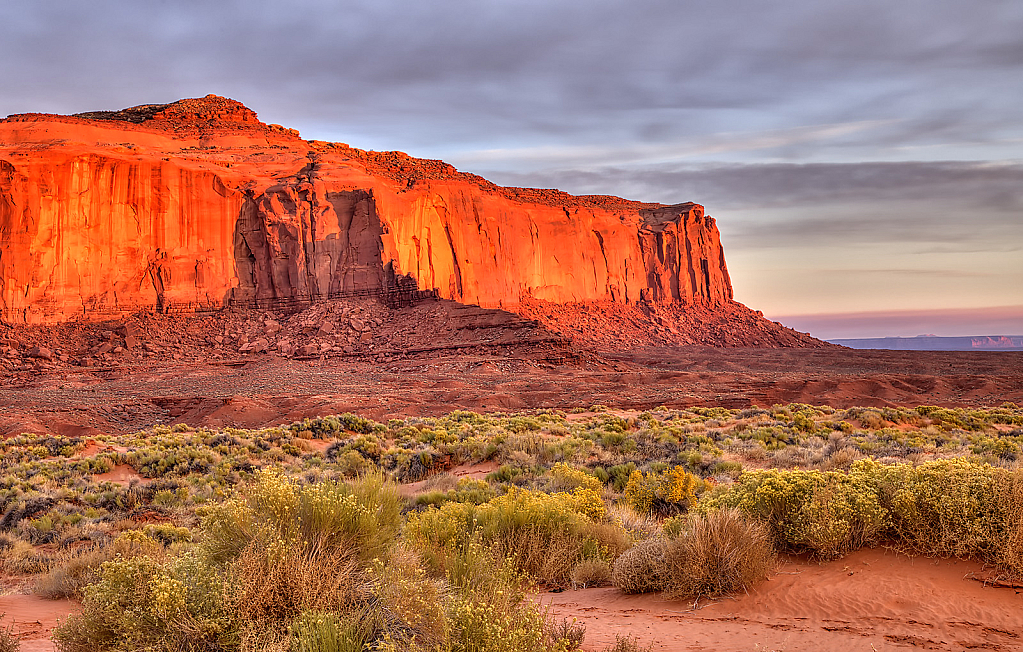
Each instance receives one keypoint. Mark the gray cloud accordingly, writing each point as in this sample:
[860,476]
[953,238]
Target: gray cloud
[962,206]
[428,76]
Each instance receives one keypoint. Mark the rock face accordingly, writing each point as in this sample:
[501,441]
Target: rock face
[198,203]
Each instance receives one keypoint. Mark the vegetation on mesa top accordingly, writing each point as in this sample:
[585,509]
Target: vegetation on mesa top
[297,538]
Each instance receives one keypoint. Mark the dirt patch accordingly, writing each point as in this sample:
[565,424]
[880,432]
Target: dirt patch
[121,474]
[869,600]
[32,619]
[270,390]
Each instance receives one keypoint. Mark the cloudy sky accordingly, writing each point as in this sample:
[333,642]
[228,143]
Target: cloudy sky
[864,158]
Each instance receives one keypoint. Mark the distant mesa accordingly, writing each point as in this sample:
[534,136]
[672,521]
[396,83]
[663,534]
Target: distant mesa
[936,343]
[197,203]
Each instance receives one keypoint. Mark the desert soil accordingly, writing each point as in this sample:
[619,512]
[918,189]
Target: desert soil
[868,600]
[264,389]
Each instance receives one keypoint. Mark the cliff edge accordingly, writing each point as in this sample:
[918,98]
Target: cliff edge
[199,204]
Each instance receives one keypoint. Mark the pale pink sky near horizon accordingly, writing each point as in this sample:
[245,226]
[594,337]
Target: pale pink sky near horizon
[1000,320]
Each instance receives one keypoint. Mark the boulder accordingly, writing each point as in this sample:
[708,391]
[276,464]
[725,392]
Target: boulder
[40,353]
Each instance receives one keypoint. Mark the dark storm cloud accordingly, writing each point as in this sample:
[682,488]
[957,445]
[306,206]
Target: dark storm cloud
[425,75]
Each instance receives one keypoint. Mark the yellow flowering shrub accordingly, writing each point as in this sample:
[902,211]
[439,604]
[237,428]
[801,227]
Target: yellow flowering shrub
[139,601]
[588,502]
[547,534]
[825,512]
[943,506]
[671,490]
[956,507]
[640,492]
[569,477]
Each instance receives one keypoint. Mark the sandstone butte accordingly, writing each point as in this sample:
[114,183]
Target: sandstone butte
[198,203]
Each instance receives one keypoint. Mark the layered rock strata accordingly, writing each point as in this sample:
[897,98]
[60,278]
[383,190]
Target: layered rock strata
[197,203]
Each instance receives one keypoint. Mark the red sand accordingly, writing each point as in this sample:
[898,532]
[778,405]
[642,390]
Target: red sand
[121,474]
[869,600]
[32,619]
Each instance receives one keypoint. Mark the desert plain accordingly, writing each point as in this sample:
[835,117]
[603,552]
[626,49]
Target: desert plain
[261,393]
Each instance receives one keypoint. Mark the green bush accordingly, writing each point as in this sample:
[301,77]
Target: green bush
[546,534]
[827,513]
[955,507]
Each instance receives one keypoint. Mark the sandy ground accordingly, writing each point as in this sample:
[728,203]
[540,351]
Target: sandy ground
[32,619]
[869,600]
[263,390]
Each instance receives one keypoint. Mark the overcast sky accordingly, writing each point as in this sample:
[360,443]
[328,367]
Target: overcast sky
[860,156]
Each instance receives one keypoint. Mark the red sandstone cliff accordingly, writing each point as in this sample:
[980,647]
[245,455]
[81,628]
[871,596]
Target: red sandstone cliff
[199,202]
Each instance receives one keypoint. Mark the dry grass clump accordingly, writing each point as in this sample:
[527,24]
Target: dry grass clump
[626,644]
[717,554]
[8,641]
[22,558]
[279,585]
[642,568]
[638,525]
[590,573]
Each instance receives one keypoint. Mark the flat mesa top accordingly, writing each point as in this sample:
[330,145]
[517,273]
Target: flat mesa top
[223,123]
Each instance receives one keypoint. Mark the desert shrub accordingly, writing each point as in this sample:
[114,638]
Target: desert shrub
[591,572]
[641,568]
[626,644]
[567,635]
[943,507]
[954,507]
[568,478]
[715,554]
[411,604]
[362,516]
[323,427]
[9,642]
[72,572]
[467,490]
[140,603]
[668,491]
[167,534]
[491,610]
[825,513]
[546,534]
[620,474]
[1008,496]
[842,458]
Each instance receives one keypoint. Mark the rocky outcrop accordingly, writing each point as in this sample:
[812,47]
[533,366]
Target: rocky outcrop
[198,203]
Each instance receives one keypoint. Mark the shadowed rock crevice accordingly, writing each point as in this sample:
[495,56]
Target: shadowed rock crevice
[296,240]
